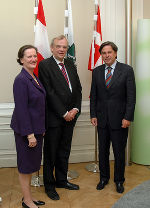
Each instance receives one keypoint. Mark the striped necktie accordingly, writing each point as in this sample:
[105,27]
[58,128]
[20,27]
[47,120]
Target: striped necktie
[108,77]
[63,70]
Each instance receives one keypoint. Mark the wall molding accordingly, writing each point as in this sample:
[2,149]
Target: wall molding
[83,143]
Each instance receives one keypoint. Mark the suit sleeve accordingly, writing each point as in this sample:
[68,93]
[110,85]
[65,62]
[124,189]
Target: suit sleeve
[53,100]
[20,90]
[93,97]
[78,97]
[131,95]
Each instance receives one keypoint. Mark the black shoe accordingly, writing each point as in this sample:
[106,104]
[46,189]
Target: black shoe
[68,185]
[52,194]
[39,202]
[101,185]
[119,188]
[25,206]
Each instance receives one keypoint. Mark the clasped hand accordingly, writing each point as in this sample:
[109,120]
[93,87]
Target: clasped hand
[32,142]
[71,115]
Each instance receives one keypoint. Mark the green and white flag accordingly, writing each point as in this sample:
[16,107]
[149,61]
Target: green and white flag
[68,32]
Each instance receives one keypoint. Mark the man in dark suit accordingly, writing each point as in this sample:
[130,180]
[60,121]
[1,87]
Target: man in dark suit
[60,79]
[112,103]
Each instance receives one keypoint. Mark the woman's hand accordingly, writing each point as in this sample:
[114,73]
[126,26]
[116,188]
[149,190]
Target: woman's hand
[32,140]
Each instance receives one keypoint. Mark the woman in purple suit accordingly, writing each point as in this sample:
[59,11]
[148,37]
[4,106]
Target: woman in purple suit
[28,122]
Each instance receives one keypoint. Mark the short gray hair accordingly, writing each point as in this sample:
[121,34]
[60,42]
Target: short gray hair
[60,37]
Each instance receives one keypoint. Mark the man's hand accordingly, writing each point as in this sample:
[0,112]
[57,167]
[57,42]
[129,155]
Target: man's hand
[73,112]
[125,123]
[69,117]
[94,121]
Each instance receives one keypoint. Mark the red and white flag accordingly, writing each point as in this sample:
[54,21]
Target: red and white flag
[95,57]
[41,37]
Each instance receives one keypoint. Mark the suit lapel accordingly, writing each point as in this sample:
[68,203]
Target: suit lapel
[39,87]
[59,74]
[102,75]
[33,81]
[115,77]
[69,71]
[116,74]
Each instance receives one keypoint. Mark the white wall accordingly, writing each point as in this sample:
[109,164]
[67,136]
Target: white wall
[17,21]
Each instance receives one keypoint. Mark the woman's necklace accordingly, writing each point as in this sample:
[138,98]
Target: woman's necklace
[36,80]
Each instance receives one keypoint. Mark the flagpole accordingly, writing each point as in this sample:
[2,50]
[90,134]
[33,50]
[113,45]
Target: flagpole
[129,62]
[71,174]
[35,12]
[93,167]
[36,180]
[66,22]
[66,19]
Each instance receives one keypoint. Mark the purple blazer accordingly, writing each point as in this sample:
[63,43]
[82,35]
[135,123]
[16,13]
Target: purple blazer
[29,112]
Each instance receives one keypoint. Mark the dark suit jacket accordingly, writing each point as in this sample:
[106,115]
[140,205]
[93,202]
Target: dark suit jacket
[29,112]
[118,101]
[59,97]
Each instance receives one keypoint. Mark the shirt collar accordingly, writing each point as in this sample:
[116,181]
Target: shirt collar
[112,66]
[57,61]
[26,73]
